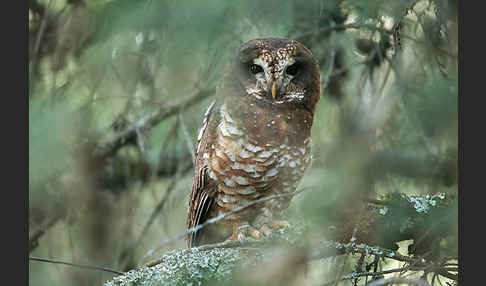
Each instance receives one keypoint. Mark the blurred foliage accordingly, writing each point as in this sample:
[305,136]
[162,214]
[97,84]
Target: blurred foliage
[385,128]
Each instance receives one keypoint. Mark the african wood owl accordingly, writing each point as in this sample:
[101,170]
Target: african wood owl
[254,141]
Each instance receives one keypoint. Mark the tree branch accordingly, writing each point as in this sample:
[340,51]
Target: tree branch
[38,40]
[76,265]
[59,214]
[149,121]
[341,27]
[181,261]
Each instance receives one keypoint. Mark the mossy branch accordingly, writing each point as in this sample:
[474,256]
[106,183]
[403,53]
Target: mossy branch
[218,262]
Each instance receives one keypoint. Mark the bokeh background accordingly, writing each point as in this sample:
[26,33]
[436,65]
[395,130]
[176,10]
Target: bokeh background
[117,92]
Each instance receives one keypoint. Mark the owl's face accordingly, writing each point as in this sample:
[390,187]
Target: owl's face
[278,71]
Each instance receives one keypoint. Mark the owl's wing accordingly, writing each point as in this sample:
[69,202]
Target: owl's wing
[202,192]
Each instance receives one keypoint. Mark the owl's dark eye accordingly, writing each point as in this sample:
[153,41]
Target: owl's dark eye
[254,69]
[293,69]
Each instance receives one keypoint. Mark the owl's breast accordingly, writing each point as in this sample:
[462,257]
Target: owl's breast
[267,123]
[245,167]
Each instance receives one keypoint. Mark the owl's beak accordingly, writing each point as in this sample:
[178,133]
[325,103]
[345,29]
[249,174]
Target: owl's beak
[274,88]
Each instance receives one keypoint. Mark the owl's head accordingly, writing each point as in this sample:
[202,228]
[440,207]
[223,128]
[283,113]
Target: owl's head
[277,71]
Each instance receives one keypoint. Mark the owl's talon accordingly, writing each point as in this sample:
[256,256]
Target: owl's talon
[278,224]
[255,233]
[241,236]
[233,237]
[241,232]
[265,230]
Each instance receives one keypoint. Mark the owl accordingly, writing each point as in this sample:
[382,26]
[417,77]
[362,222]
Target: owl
[254,141]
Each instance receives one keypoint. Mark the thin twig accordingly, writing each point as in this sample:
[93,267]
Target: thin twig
[149,121]
[395,280]
[76,265]
[359,267]
[437,223]
[34,238]
[329,71]
[143,143]
[415,263]
[181,170]
[71,243]
[341,270]
[341,27]
[40,34]
[326,252]
[383,84]
[171,134]
[351,240]
[155,212]
[187,139]
[355,275]
[342,70]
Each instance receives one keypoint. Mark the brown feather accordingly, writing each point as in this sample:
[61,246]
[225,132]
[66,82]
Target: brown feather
[201,197]
[253,145]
